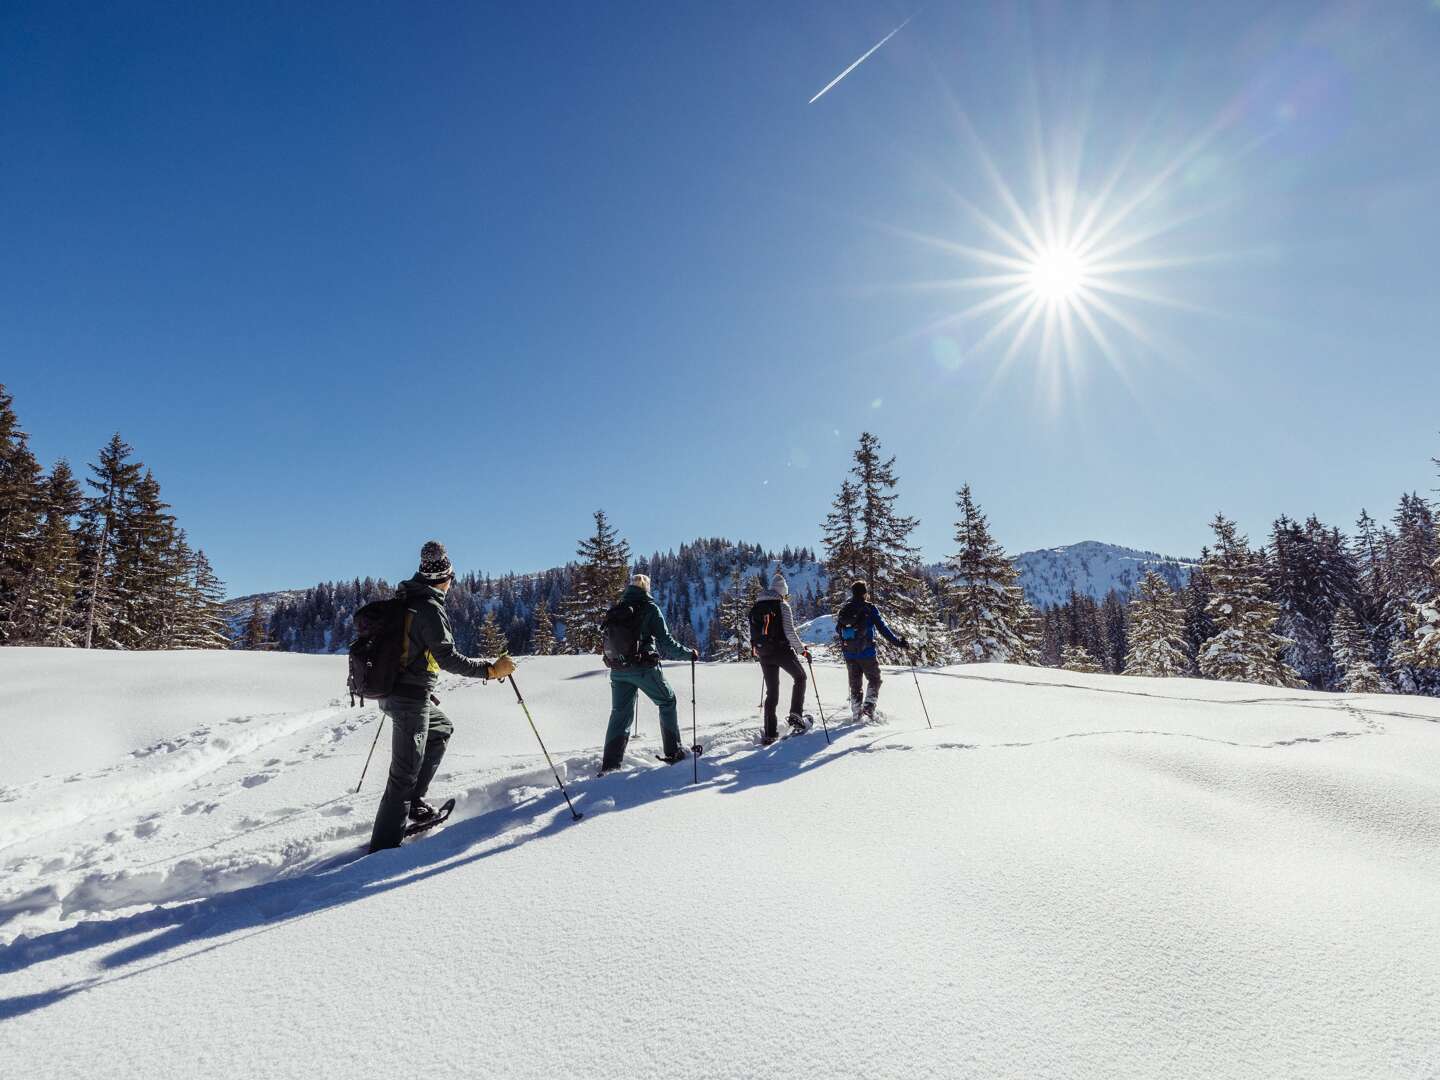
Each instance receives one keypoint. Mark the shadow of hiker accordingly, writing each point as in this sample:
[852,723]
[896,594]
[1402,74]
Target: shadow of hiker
[349,877]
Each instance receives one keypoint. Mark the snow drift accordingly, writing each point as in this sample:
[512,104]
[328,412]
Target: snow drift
[1069,876]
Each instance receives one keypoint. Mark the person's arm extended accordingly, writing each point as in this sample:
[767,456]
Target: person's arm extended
[440,643]
[880,625]
[666,645]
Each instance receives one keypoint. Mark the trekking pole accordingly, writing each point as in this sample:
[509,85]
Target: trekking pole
[917,690]
[378,728]
[818,703]
[635,720]
[694,738]
[573,812]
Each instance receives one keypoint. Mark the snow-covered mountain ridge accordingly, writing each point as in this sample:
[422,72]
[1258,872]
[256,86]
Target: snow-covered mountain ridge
[692,596]
[1093,569]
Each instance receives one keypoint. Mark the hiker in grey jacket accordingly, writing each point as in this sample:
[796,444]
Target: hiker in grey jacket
[774,641]
[419,731]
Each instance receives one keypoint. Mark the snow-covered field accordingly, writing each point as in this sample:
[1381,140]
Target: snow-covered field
[1069,876]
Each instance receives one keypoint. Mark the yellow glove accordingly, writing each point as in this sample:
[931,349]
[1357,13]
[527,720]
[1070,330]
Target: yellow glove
[501,667]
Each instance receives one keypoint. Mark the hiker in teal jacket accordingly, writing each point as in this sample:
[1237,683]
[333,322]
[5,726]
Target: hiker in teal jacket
[642,672]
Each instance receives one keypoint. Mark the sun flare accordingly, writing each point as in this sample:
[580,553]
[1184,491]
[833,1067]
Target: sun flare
[1058,274]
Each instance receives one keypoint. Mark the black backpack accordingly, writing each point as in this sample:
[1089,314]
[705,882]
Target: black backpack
[851,621]
[767,632]
[620,636]
[381,628]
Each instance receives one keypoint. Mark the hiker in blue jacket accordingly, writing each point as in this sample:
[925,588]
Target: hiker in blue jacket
[855,626]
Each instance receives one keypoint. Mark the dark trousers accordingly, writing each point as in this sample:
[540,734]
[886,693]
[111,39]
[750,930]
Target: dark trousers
[625,683]
[869,671]
[770,667]
[419,733]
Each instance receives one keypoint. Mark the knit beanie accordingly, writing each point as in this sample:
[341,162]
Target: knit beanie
[858,590]
[434,563]
[642,581]
[779,584]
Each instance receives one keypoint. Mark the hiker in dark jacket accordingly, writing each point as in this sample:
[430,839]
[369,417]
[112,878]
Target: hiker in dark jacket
[855,626]
[778,647]
[641,672]
[419,731]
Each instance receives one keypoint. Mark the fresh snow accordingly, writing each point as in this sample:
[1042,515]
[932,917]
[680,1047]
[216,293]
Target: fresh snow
[1069,876]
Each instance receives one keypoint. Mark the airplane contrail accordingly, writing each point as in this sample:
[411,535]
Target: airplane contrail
[857,63]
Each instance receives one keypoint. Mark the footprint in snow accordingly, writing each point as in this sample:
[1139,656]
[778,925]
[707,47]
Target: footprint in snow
[146,828]
[337,811]
[256,779]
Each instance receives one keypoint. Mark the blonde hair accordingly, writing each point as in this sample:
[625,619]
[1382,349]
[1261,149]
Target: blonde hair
[643,580]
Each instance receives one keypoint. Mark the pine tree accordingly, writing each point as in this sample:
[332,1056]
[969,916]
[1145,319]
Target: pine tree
[491,639]
[115,477]
[1078,658]
[599,579]
[866,537]
[255,629]
[42,611]
[732,621]
[841,539]
[1157,631]
[1116,633]
[542,634]
[1245,647]
[204,625]
[988,606]
[21,493]
[146,571]
[1351,649]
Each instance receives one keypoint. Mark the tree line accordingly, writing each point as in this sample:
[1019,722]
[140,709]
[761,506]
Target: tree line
[98,565]
[1312,608]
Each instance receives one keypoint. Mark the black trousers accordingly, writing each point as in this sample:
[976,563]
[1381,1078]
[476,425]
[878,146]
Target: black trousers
[869,671]
[770,667]
[419,733]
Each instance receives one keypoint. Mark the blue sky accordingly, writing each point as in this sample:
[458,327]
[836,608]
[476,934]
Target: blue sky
[350,276]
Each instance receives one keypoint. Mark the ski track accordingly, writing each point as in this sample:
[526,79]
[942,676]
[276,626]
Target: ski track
[210,769]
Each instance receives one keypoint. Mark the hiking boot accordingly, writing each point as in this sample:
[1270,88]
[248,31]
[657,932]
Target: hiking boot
[798,724]
[767,737]
[671,759]
[868,710]
[421,811]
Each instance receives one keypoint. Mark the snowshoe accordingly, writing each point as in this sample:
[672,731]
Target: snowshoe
[867,711]
[421,811]
[671,759]
[765,738]
[439,817]
[799,725]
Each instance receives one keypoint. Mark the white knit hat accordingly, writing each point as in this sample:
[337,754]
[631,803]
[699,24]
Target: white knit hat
[779,584]
[642,580]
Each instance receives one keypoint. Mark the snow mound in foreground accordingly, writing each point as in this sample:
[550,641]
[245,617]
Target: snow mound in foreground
[1068,876]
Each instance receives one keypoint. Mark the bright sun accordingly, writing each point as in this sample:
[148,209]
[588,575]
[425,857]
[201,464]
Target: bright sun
[1057,274]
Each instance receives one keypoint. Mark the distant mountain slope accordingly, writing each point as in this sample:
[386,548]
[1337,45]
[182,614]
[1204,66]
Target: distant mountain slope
[688,586]
[1092,568]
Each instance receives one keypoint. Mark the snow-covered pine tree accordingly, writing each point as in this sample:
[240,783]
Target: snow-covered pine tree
[542,633]
[44,607]
[1157,631]
[256,631]
[841,540]
[986,601]
[115,476]
[1195,602]
[1078,658]
[732,621]
[21,492]
[599,579]
[931,642]
[204,625]
[1116,632]
[490,639]
[882,554]
[1350,646]
[1311,574]
[143,571]
[1245,647]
